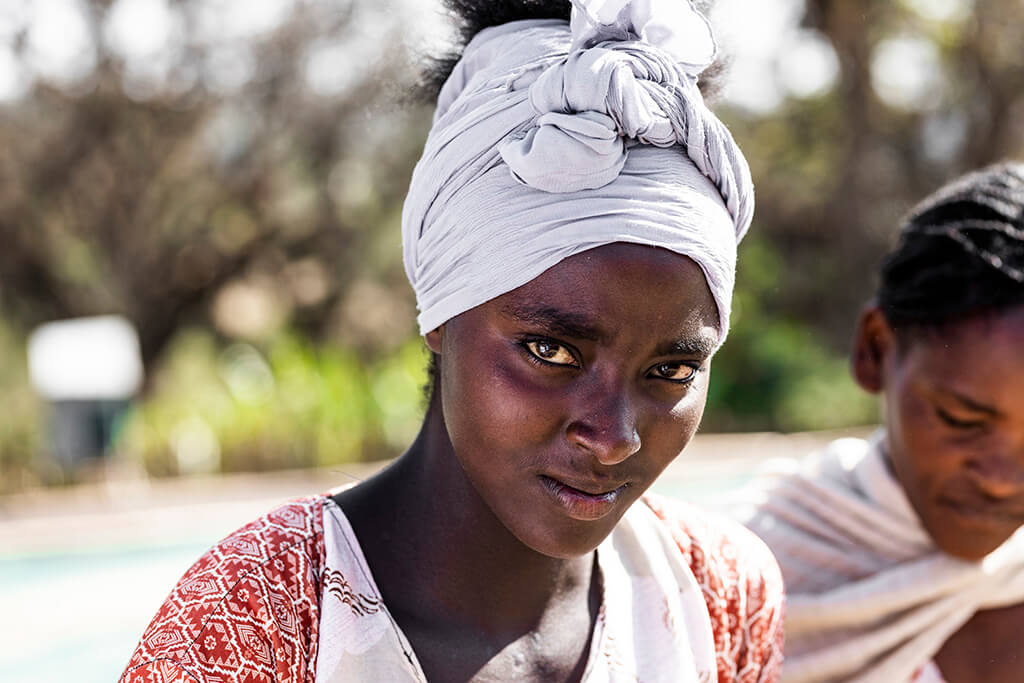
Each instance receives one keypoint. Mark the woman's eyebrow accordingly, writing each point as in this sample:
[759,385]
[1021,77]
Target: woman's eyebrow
[967,401]
[555,321]
[701,346]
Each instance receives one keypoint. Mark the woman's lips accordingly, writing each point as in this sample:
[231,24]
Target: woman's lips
[984,514]
[580,504]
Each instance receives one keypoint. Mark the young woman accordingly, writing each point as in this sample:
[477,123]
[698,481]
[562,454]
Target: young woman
[901,555]
[570,233]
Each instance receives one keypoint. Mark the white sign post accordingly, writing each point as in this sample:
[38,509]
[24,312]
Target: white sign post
[89,369]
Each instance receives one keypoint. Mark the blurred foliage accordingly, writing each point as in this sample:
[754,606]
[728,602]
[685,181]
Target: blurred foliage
[293,404]
[234,188]
[21,419]
[198,195]
[920,96]
[775,372]
[216,407]
[924,91]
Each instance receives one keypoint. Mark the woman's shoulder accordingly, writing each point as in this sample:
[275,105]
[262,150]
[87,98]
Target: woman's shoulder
[742,587]
[248,606]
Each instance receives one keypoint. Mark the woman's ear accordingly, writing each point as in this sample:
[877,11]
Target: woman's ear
[873,341]
[434,339]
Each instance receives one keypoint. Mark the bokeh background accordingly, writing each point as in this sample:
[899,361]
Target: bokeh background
[227,176]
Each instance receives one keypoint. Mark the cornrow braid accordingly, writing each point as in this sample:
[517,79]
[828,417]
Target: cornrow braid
[473,16]
[961,252]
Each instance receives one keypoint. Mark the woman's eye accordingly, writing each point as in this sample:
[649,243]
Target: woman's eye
[675,372]
[957,423]
[550,352]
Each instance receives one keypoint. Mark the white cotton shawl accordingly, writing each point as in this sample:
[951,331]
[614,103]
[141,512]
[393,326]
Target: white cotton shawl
[551,138]
[869,597]
[653,625]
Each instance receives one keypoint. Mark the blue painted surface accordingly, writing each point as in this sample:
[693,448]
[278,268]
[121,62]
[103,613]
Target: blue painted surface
[80,647]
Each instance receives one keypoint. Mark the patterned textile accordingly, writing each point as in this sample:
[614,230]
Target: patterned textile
[742,588]
[870,597]
[250,609]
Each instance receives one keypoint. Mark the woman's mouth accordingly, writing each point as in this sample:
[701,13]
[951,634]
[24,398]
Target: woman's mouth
[977,513]
[579,504]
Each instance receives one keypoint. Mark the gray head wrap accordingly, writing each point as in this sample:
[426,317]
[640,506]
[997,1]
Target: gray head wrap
[552,138]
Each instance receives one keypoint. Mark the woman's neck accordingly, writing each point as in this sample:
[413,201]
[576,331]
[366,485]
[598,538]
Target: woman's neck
[440,557]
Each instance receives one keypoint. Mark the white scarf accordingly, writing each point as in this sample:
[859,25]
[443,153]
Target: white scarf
[552,138]
[653,625]
[869,597]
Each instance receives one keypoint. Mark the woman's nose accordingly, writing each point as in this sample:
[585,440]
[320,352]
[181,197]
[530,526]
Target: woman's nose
[1000,475]
[607,429]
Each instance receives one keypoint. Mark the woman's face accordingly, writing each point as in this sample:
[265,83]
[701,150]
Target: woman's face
[565,398]
[955,421]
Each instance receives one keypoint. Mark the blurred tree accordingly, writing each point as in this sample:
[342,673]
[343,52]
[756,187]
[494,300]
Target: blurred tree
[244,181]
[923,91]
[239,166]
[836,172]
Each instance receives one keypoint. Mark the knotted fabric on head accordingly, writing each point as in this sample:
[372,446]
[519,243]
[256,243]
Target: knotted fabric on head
[552,138]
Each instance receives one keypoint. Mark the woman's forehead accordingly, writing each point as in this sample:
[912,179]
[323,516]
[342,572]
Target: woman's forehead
[599,291]
[979,357]
[976,334]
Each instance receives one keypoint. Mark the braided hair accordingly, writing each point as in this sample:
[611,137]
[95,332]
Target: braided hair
[960,253]
[473,16]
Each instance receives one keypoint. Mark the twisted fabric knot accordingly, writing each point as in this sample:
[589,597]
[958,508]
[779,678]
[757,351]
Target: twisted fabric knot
[673,26]
[629,78]
[604,110]
[591,107]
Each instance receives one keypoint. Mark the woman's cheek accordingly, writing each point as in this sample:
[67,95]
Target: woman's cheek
[513,400]
[689,408]
[924,434]
[671,430]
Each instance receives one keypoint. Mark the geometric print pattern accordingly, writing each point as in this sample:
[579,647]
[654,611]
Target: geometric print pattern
[248,610]
[360,604]
[742,587]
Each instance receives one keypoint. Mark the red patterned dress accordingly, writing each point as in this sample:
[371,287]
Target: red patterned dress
[698,594]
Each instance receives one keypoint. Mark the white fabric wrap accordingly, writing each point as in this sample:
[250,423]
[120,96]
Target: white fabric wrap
[653,624]
[870,599]
[550,139]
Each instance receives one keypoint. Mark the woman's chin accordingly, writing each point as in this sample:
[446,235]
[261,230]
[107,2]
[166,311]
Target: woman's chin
[569,540]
